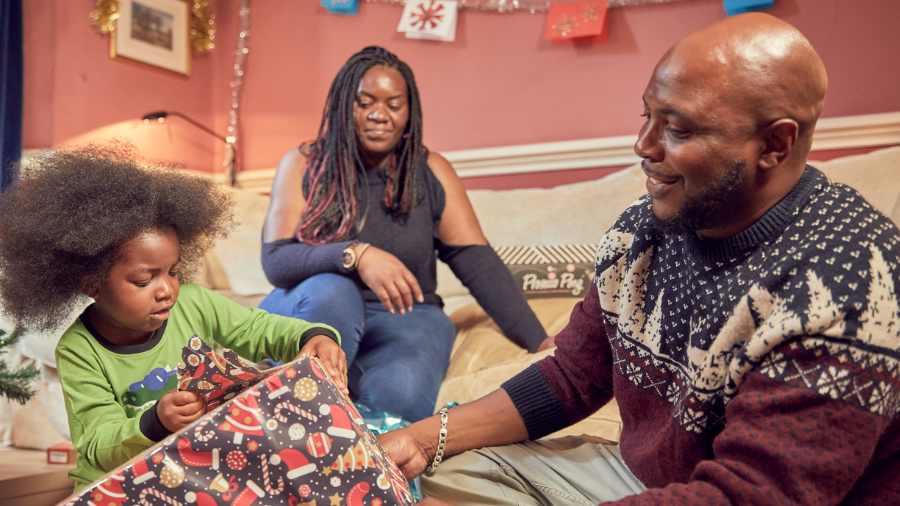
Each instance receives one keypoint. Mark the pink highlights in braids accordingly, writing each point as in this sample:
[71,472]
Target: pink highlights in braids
[331,183]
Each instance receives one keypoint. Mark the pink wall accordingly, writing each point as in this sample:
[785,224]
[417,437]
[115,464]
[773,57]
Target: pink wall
[560,177]
[498,84]
[74,92]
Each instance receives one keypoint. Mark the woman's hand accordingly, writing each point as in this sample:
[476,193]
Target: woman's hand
[546,344]
[410,456]
[177,410]
[391,281]
[332,357]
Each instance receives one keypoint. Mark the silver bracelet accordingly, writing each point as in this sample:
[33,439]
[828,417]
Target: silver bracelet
[442,440]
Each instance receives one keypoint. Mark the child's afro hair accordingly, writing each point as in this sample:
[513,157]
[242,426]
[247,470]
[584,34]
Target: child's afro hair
[62,223]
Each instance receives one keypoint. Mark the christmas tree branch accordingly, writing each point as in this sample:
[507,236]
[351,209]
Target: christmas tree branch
[14,385]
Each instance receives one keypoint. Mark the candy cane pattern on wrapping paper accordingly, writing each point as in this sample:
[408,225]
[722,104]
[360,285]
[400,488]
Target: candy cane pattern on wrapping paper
[198,431]
[154,492]
[290,407]
[267,481]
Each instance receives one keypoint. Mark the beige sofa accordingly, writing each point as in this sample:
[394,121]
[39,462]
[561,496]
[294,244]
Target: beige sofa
[571,214]
[482,358]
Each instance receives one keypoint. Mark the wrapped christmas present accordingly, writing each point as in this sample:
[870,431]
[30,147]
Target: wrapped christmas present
[290,439]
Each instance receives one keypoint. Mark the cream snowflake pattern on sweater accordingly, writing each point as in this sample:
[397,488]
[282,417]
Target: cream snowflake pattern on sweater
[826,285]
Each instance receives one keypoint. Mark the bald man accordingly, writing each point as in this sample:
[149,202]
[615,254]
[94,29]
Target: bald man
[743,314]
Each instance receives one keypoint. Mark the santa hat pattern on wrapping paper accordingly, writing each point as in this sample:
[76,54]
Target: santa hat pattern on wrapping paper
[200,499]
[354,413]
[141,471]
[276,387]
[197,459]
[109,493]
[296,462]
[340,421]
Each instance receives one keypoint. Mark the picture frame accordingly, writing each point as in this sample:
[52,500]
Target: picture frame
[154,32]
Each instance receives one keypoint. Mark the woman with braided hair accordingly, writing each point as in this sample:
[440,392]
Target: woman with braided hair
[356,222]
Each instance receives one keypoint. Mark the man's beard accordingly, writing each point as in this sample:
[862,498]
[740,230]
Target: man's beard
[708,208]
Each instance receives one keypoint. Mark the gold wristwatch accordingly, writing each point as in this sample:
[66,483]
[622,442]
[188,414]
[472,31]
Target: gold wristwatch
[349,258]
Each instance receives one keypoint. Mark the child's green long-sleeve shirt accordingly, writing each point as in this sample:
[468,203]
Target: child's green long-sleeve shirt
[111,391]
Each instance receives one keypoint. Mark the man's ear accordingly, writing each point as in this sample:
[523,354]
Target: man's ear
[93,293]
[779,138]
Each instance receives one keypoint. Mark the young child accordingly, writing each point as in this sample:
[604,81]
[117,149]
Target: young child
[97,221]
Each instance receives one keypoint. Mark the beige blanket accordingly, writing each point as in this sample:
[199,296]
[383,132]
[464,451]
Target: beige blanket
[482,359]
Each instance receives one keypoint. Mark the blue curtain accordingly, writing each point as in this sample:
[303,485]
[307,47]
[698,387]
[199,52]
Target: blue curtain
[11,74]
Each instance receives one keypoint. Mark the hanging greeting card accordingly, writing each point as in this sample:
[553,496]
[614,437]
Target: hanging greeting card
[290,439]
[348,7]
[577,23]
[733,7]
[429,19]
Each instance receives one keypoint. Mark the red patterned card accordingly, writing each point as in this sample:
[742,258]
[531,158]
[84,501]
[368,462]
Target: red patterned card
[577,23]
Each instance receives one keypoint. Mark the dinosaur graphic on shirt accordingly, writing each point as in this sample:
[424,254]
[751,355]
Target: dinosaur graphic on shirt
[142,394]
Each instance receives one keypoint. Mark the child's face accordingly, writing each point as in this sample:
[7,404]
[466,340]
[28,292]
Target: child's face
[141,289]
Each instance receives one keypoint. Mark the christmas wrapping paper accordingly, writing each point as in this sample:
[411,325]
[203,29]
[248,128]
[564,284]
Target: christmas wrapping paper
[219,374]
[290,439]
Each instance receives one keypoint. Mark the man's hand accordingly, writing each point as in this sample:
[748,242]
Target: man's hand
[332,357]
[391,281]
[410,456]
[177,410]
[489,421]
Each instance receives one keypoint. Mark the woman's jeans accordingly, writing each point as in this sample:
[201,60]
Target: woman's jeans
[396,362]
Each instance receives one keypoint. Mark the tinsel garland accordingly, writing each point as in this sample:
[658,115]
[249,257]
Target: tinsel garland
[203,30]
[626,3]
[532,7]
[105,15]
[239,56]
[202,33]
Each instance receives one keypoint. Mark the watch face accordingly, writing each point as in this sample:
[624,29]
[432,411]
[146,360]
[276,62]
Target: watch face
[347,259]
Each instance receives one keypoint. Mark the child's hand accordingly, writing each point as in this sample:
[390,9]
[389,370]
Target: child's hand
[332,357]
[177,410]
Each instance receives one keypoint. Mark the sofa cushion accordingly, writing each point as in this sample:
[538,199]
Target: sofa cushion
[874,175]
[578,213]
[234,263]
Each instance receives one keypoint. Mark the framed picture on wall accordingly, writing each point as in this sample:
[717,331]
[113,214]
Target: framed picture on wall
[153,32]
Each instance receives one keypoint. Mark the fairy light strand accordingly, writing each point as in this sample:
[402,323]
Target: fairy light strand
[239,56]
[627,3]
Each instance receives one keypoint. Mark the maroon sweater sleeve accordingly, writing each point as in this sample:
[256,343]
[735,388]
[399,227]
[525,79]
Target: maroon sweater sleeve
[573,383]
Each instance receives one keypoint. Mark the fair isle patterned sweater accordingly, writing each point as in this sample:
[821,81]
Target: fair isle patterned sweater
[758,369]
